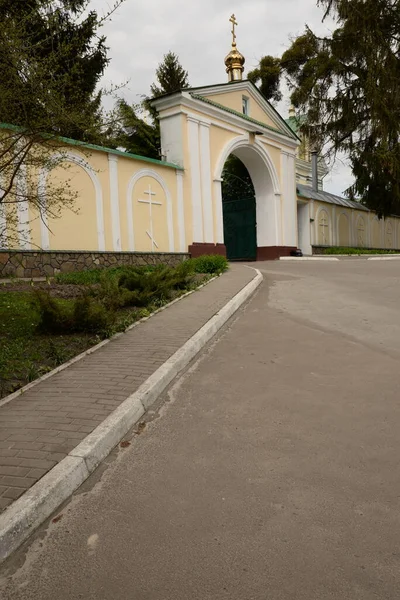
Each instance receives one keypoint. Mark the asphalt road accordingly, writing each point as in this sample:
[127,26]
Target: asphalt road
[269,472]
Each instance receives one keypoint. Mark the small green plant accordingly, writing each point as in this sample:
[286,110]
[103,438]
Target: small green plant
[212,264]
[56,354]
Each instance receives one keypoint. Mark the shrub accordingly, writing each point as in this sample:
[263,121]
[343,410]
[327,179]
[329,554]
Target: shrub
[54,316]
[90,316]
[213,264]
[84,315]
[95,276]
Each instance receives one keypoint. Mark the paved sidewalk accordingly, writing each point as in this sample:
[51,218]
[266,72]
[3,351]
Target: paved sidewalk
[40,427]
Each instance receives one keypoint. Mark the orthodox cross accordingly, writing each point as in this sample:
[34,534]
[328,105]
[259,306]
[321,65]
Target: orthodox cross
[234,23]
[151,203]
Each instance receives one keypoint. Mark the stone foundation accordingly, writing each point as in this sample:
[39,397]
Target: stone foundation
[200,249]
[31,263]
[273,252]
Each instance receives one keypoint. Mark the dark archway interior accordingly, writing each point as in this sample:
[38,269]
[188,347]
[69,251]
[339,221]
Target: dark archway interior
[239,210]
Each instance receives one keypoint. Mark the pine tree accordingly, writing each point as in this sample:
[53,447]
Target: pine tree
[139,129]
[171,76]
[52,55]
[267,77]
[348,85]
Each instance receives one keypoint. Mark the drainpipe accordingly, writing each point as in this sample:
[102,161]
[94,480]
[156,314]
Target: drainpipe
[314,170]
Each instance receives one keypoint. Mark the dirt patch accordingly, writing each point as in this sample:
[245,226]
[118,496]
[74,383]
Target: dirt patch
[57,290]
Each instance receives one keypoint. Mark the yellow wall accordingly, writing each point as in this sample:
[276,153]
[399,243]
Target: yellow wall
[76,227]
[233,100]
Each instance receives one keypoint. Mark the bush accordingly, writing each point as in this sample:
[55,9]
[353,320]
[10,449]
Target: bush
[83,315]
[90,316]
[54,316]
[213,264]
[96,276]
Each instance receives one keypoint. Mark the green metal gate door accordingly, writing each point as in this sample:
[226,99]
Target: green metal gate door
[240,233]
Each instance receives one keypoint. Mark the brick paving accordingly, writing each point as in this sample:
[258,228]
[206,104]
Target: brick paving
[40,427]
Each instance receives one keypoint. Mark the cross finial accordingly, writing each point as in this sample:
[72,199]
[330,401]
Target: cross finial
[234,23]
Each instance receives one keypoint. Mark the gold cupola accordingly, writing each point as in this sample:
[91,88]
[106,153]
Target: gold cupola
[235,60]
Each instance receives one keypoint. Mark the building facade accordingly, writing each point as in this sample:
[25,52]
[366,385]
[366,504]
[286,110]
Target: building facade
[128,203]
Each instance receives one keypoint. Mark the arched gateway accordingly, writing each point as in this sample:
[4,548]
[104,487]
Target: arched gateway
[200,129]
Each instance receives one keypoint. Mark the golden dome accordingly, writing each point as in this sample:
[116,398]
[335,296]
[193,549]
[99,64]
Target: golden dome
[235,60]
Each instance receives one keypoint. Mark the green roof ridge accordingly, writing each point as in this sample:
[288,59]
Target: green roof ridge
[239,114]
[72,142]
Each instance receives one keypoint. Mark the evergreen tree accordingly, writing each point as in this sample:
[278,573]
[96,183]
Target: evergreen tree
[348,85]
[267,77]
[53,57]
[139,130]
[135,134]
[51,60]
[171,76]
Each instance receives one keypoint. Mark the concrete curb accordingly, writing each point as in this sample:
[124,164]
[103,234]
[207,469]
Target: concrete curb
[26,514]
[301,258]
[385,257]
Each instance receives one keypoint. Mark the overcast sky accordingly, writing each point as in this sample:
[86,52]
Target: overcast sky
[142,31]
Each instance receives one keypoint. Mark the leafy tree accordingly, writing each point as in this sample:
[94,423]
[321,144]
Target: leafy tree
[267,77]
[139,130]
[51,60]
[236,181]
[348,85]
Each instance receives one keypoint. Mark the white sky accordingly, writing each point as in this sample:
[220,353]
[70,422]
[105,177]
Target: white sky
[141,32]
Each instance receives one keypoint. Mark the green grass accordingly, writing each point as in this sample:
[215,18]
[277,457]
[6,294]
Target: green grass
[356,251]
[25,354]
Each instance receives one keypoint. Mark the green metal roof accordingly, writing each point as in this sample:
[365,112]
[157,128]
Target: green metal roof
[72,142]
[295,123]
[241,115]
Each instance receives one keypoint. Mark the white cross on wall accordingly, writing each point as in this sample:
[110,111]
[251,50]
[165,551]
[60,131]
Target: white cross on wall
[151,203]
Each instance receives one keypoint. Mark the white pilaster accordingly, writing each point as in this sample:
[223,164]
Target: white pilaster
[313,236]
[219,217]
[114,201]
[205,166]
[23,209]
[3,223]
[181,211]
[44,221]
[195,176]
[334,227]
[288,177]
[353,232]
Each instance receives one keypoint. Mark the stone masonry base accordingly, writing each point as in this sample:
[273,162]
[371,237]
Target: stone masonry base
[46,263]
